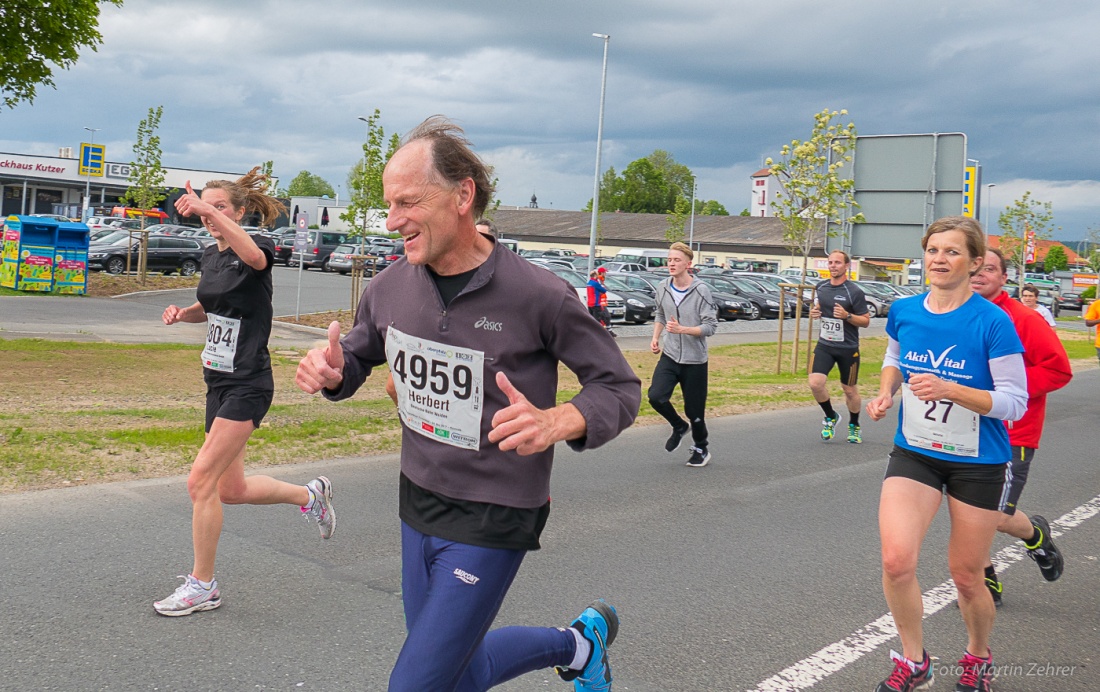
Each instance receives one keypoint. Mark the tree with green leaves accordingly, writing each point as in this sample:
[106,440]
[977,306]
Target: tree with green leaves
[146,183]
[267,168]
[1090,249]
[812,194]
[710,208]
[36,36]
[1056,259]
[653,185]
[306,184]
[676,220]
[367,199]
[1023,223]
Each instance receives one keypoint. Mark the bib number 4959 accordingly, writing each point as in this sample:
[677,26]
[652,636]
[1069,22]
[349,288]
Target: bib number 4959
[437,375]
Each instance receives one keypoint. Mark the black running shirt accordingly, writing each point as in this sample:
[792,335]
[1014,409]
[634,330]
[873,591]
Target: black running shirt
[851,298]
[237,301]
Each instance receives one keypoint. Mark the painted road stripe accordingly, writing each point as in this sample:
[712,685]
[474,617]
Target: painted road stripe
[810,671]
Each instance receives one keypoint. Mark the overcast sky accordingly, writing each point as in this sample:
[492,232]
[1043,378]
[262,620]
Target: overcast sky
[721,84]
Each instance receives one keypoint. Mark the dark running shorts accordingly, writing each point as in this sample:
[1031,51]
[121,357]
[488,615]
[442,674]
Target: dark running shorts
[980,485]
[239,401]
[1017,476]
[847,362]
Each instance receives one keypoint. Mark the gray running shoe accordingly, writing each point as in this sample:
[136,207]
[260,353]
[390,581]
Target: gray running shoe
[322,511]
[189,597]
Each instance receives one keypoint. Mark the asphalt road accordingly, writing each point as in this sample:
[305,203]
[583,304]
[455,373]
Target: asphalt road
[724,576]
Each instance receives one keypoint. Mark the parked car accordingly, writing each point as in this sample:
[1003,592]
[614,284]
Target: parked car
[166,254]
[883,295]
[200,234]
[730,307]
[1071,301]
[284,245]
[96,223]
[166,229]
[549,261]
[761,304]
[624,267]
[775,280]
[340,259]
[319,245]
[387,254]
[113,237]
[639,305]
[95,236]
[55,217]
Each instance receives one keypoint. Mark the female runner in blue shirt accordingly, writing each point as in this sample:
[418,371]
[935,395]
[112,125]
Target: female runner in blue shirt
[958,361]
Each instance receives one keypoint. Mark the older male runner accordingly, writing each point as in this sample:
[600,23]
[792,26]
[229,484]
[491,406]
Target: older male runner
[473,335]
[1047,367]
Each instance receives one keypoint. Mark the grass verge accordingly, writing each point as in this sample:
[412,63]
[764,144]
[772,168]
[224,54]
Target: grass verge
[75,413]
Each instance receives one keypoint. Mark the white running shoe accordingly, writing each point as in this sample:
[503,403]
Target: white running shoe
[322,511]
[189,597]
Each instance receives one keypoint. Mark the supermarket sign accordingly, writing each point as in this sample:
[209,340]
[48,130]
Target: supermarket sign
[1085,280]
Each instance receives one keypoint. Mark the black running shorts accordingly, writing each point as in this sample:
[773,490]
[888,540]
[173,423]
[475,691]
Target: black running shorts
[1017,476]
[980,485]
[237,401]
[846,361]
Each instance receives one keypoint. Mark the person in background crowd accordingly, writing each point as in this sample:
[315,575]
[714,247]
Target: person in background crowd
[1029,296]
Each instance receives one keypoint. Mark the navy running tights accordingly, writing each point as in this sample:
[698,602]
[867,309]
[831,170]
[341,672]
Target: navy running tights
[452,592]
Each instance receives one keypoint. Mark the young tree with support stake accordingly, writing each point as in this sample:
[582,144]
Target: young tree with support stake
[365,178]
[1023,224]
[811,192]
[146,181]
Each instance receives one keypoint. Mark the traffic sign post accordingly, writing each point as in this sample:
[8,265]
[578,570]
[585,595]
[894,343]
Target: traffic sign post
[301,239]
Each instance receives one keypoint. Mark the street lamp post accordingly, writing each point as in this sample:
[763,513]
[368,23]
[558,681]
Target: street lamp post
[989,203]
[599,146]
[88,180]
[363,237]
[691,228]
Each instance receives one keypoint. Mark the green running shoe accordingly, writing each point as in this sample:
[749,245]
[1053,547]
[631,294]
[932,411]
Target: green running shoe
[854,435]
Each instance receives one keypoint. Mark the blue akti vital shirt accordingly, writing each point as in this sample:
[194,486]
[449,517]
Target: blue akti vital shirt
[955,346]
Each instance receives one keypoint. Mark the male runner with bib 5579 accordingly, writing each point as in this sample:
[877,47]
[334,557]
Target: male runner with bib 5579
[842,309]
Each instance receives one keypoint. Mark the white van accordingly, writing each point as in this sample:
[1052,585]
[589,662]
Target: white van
[649,258]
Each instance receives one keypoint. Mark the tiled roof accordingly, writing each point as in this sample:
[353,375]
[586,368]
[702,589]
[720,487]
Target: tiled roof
[1042,247]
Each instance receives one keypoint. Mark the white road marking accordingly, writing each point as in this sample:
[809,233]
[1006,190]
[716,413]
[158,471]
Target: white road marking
[812,670]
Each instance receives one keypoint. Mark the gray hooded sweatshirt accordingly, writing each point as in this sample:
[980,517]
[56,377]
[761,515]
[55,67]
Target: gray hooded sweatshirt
[697,309]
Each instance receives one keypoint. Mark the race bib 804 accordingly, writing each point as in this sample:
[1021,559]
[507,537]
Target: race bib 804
[221,342]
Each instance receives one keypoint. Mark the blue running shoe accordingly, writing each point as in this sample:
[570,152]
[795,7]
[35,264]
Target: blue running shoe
[828,428]
[599,624]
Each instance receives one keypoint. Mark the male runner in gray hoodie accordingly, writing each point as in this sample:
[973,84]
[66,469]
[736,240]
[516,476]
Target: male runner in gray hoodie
[687,313]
